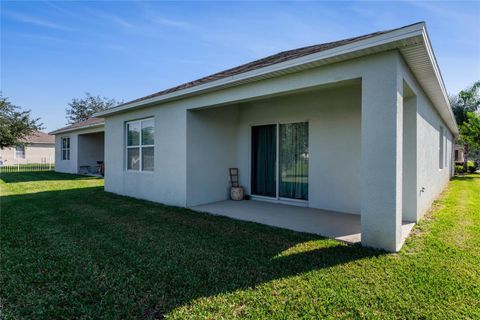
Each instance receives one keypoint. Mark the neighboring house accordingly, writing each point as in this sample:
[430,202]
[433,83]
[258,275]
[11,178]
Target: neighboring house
[459,154]
[39,147]
[79,147]
[359,126]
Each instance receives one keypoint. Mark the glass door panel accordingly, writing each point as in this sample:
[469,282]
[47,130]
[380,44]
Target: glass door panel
[293,161]
[264,158]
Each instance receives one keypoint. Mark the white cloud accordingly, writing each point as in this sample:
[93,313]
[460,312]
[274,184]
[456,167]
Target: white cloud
[35,21]
[170,22]
[120,21]
[450,13]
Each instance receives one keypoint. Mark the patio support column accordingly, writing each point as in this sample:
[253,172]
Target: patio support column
[381,167]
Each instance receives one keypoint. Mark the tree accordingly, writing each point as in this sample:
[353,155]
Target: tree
[15,125]
[467,100]
[83,109]
[465,106]
[470,131]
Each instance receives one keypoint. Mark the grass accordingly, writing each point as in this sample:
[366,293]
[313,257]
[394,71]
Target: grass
[70,250]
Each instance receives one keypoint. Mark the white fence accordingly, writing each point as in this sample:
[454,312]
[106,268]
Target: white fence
[26,167]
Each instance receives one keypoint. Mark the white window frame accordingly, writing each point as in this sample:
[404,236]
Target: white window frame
[140,146]
[16,152]
[67,150]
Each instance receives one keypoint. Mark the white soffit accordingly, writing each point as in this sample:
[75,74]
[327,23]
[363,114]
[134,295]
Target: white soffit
[421,61]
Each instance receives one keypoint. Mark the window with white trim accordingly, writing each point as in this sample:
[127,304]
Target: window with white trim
[65,148]
[19,152]
[140,145]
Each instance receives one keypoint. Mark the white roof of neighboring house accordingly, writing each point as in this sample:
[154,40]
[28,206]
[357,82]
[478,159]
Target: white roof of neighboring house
[412,41]
[89,123]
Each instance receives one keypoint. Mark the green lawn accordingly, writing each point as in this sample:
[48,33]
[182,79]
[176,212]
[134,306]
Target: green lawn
[70,250]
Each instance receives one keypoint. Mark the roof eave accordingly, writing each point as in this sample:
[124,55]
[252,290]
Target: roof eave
[56,132]
[453,125]
[412,31]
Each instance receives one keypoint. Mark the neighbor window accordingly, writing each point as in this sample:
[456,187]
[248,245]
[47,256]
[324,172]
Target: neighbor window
[440,148]
[66,148]
[19,152]
[140,145]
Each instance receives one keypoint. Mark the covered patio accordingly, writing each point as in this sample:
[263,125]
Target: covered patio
[305,154]
[90,152]
[336,225]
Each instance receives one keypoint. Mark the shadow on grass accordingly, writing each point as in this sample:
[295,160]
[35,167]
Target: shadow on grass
[27,176]
[155,258]
[470,176]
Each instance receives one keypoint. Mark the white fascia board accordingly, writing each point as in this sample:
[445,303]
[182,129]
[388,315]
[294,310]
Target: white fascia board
[404,33]
[59,131]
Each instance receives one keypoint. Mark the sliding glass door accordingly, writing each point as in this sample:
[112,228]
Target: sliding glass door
[264,159]
[293,161]
[280,160]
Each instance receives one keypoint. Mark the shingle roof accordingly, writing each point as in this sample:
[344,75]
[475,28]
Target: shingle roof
[40,137]
[82,124]
[264,62]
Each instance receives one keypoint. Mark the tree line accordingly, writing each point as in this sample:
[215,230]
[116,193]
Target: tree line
[466,109]
[16,124]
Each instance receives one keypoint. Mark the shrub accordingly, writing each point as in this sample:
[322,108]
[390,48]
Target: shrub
[458,169]
[471,166]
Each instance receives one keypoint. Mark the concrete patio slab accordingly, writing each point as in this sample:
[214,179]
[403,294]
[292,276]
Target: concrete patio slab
[337,225]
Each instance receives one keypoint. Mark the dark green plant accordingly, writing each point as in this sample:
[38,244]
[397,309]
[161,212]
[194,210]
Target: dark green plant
[83,109]
[467,100]
[472,168]
[465,106]
[15,124]
[459,169]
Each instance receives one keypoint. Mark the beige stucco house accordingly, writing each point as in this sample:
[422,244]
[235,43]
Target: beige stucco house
[459,154]
[39,147]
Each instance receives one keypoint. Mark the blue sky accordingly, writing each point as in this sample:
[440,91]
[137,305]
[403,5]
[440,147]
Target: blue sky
[54,51]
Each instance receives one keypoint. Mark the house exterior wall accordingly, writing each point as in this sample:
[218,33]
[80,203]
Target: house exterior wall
[72,165]
[409,170]
[66,166]
[167,183]
[34,153]
[430,178]
[211,151]
[459,151]
[381,181]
